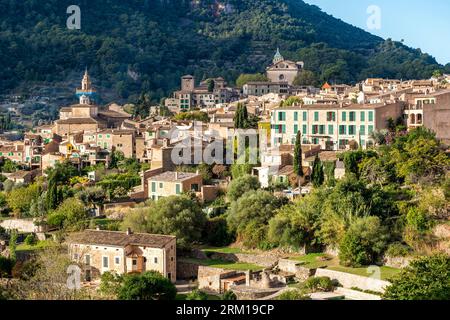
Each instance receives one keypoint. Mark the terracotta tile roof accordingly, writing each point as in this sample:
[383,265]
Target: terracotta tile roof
[173,176]
[286,170]
[113,114]
[78,121]
[119,239]
[19,174]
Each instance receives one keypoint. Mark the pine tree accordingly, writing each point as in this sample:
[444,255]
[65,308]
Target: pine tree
[318,176]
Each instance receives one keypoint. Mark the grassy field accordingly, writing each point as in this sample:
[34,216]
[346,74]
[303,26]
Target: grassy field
[239,266]
[386,273]
[230,250]
[38,246]
[313,261]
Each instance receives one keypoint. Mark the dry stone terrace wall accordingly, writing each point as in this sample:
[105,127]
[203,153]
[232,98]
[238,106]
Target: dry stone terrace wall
[397,262]
[22,225]
[349,281]
[265,261]
[186,270]
[295,267]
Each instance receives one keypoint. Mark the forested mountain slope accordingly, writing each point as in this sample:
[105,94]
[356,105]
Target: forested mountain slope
[139,46]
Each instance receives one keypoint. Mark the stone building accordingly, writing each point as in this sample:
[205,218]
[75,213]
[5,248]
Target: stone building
[86,116]
[332,126]
[123,252]
[281,75]
[171,183]
[284,71]
[208,94]
[432,111]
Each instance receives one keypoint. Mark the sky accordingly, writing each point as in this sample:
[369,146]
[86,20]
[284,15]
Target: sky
[423,24]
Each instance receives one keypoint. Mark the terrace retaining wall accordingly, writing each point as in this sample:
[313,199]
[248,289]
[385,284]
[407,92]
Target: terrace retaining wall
[349,281]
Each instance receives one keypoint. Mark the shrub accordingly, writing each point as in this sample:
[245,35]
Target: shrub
[397,250]
[363,242]
[418,220]
[216,232]
[30,240]
[242,185]
[229,295]
[110,284]
[426,278]
[249,216]
[197,295]
[319,284]
[295,294]
[150,285]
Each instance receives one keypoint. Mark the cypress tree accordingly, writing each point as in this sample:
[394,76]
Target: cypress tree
[237,117]
[298,166]
[317,174]
[241,117]
[244,116]
[52,193]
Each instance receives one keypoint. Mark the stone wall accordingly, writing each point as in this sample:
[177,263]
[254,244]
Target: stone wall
[296,268]
[397,262]
[209,279]
[349,281]
[332,251]
[208,193]
[356,295]
[22,225]
[246,293]
[186,270]
[263,260]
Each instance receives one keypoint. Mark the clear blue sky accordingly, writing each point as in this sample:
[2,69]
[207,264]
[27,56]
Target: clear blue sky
[423,24]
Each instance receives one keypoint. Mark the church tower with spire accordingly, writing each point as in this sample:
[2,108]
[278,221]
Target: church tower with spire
[278,57]
[283,71]
[87,93]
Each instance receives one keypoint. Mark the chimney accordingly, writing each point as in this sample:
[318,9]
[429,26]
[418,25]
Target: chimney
[176,175]
[129,231]
[247,278]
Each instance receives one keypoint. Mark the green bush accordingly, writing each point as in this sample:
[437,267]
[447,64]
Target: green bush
[110,284]
[197,295]
[398,250]
[363,242]
[30,240]
[418,220]
[150,285]
[295,294]
[229,295]
[323,284]
[216,232]
[426,278]
[239,186]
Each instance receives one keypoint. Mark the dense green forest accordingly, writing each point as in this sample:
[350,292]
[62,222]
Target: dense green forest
[137,46]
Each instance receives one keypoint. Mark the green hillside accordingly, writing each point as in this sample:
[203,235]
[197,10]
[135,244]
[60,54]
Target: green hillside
[138,46]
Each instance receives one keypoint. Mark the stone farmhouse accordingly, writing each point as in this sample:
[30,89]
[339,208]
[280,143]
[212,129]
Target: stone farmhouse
[102,251]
